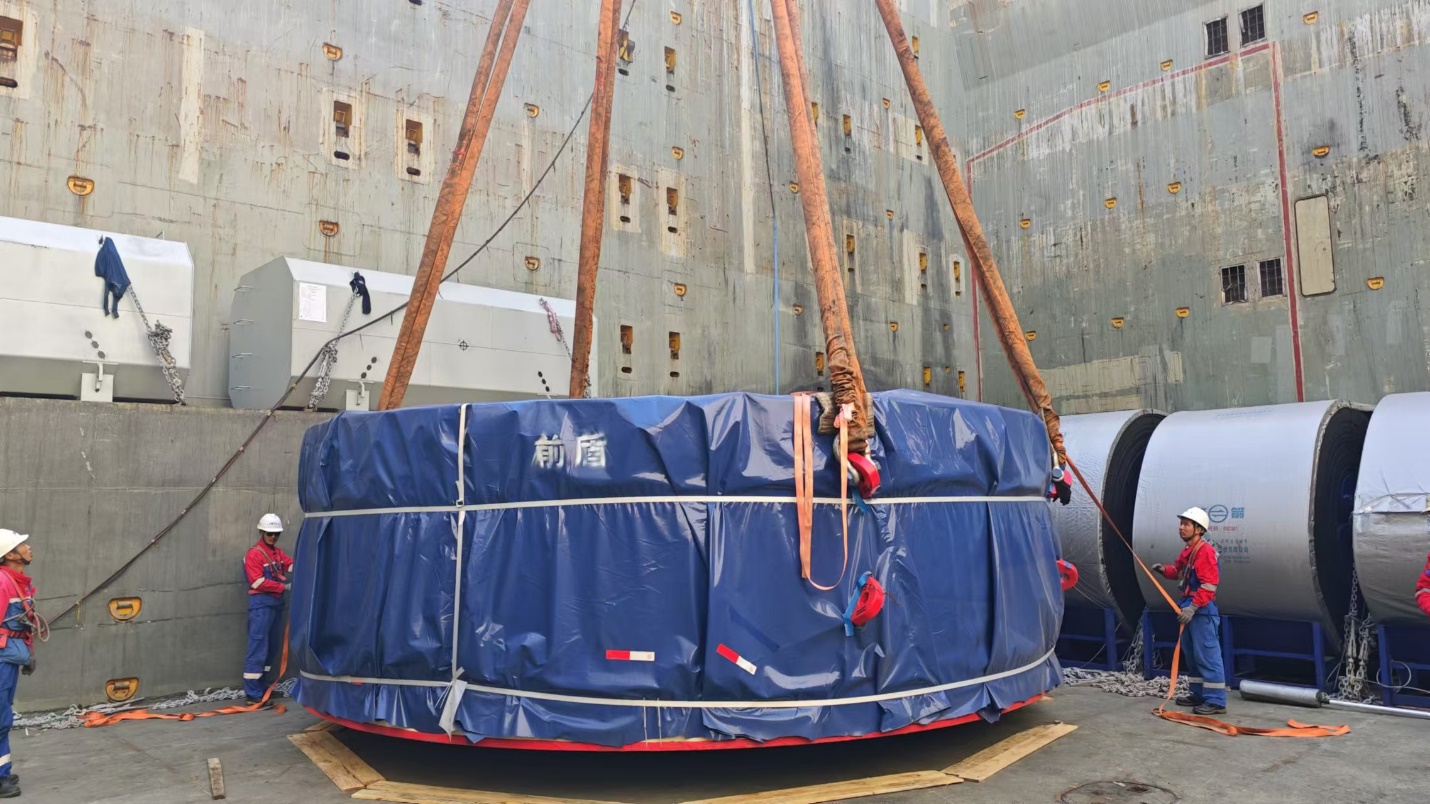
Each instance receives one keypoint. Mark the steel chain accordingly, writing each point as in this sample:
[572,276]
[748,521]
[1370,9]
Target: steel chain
[555,325]
[73,717]
[159,337]
[1129,681]
[327,359]
[1360,641]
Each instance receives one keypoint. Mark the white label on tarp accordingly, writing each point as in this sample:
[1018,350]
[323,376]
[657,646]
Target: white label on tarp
[313,303]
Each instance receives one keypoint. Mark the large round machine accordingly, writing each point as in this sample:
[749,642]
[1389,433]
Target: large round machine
[626,573]
[1108,449]
[1279,485]
[1392,517]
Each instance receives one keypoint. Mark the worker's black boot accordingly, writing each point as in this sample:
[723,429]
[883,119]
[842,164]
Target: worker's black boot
[1209,709]
[1189,700]
[10,786]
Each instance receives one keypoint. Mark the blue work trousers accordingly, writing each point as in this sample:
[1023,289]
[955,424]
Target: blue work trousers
[9,676]
[265,640]
[1201,650]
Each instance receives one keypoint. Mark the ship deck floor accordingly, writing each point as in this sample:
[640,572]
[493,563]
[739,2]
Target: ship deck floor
[1382,760]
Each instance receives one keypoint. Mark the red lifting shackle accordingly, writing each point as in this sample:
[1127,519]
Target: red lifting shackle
[866,473]
[1067,574]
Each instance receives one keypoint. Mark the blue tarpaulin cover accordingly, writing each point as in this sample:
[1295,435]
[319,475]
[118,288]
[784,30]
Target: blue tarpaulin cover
[612,571]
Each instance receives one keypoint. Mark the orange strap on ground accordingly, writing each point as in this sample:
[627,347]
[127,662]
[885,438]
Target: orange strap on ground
[99,719]
[1199,721]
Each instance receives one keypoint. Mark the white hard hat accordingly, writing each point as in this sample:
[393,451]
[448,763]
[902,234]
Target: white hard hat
[270,523]
[9,540]
[1198,516]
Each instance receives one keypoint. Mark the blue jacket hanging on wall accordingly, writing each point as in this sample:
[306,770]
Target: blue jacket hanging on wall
[110,268]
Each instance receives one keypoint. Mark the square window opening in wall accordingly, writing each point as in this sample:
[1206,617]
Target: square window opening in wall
[625,52]
[625,185]
[11,34]
[342,119]
[414,137]
[1233,284]
[1217,44]
[1273,279]
[1253,25]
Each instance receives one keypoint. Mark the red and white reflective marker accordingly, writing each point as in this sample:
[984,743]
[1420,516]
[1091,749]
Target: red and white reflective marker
[743,663]
[631,655]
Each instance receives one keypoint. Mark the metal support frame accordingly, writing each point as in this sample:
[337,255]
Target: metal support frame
[1418,665]
[1317,652]
[1109,637]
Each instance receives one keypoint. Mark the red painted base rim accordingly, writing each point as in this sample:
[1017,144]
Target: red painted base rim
[673,745]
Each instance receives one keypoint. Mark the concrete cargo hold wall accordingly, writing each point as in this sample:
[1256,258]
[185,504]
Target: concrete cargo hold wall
[92,483]
[1121,168]
[219,126]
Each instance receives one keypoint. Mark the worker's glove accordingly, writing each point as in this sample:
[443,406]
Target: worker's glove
[28,668]
[1160,569]
[1185,616]
[287,587]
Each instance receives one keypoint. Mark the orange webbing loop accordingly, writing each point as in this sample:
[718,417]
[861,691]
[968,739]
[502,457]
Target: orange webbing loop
[1199,721]
[804,484]
[803,479]
[846,413]
[93,719]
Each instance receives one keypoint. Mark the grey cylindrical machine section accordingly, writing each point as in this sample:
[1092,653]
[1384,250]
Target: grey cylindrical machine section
[1108,449]
[1278,483]
[1392,516]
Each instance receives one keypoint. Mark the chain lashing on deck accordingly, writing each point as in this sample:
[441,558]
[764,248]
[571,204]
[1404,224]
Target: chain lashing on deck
[74,716]
[556,330]
[328,358]
[1359,644]
[159,337]
[1129,681]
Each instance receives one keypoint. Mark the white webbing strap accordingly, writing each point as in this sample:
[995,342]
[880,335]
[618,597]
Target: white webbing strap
[455,691]
[586,699]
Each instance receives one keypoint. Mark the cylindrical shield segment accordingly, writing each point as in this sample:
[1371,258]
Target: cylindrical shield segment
[1279,485]
[1392,516]
[1108,449]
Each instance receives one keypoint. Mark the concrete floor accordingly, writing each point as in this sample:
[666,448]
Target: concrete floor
[163,762]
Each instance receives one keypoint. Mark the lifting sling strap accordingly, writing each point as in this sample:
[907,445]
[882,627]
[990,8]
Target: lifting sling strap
[804,484]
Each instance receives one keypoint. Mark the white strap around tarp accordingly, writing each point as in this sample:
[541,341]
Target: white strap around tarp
[674,499]
[584,699]
[455,691]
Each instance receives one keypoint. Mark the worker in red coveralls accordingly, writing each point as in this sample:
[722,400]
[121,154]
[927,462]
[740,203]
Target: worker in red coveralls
[1422,589]
[17,641]
[266,569]
[1197,569]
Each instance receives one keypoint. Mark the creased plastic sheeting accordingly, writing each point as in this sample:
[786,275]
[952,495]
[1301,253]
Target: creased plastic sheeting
[631,600]
[1392,514]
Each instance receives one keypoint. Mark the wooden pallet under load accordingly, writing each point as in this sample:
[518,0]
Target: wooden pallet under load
[356,777]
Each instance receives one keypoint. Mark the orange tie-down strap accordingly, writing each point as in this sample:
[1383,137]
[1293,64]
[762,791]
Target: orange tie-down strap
[99,719]
[1296,729]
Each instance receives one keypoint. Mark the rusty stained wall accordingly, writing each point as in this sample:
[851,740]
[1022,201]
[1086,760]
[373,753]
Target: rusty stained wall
[1351,77]
[214,125]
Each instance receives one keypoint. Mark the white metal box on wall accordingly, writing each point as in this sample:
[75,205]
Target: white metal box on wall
[53,328]
[481,344]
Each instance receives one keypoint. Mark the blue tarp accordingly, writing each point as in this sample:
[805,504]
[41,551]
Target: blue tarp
[598,553]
